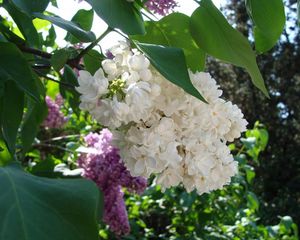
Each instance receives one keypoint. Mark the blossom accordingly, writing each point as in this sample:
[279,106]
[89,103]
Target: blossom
[55,118]
[103,165]
[126,93]
[161,7]
[162,130]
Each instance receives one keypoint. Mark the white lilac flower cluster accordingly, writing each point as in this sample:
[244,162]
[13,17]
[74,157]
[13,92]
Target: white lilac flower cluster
[159,128]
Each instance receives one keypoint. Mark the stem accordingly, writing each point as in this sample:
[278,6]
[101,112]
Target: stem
[52,146]
[93,44]
[150,18]
[241,150]
[74,63]
[62,138]
[121,34]
[54,80]
[35,51]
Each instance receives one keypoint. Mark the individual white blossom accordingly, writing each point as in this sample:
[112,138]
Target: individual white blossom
[159,128]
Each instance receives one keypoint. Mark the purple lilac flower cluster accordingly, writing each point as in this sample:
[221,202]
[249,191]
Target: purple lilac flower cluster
[107,170]
[55,118]
[161,7]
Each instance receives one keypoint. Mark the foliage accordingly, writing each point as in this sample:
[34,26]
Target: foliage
[278,172]
[33,66]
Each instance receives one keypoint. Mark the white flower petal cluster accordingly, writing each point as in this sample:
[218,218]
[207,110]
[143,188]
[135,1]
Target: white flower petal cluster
[159,128]
[125,95]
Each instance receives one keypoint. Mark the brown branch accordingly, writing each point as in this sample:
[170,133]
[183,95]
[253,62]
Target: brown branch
[68,85]
[73,62]
[93,44]
[35,51]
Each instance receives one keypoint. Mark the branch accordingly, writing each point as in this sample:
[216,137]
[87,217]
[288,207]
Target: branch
[41,145]
[93,44]
[34,51]
[63,138]
[68,85]
[73,62]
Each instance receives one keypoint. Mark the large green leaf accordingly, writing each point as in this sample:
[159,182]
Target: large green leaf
[269,19]
[12,112]
[14,66]
[35,208]
[119,14]
[84,18]
[215,36]
[170,62]
[74,29]
[174,31]
[24,23]
[30,6]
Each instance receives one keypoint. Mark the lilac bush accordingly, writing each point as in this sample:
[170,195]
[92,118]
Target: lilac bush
[55,118]
[104,166]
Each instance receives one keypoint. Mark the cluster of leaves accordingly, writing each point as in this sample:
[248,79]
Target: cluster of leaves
[230,213]
[28,71]
[278,181]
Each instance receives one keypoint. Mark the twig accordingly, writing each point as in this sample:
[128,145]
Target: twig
[121,34]
[62,138]
[35,51]
[54,80]
[52,146]
[73,62]
[93,44]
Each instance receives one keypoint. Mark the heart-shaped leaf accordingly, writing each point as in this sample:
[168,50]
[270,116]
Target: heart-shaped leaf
[218,38]
[269,19]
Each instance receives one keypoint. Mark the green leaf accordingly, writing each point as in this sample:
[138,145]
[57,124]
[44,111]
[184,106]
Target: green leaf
[253,202]
[41,24]
[92,61]
[70,94]
[12,112]
[9,35]
[59,59]
[286,222]
[5,156]
[250,174]
[38,208]
[14,66]
[24,23]
[74,29]
[173,31]
[215,36]
[50,39]
[29,6]
[36,113]
[84,19]
[119,14]
[54,3]
[269,19]
[170,62]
